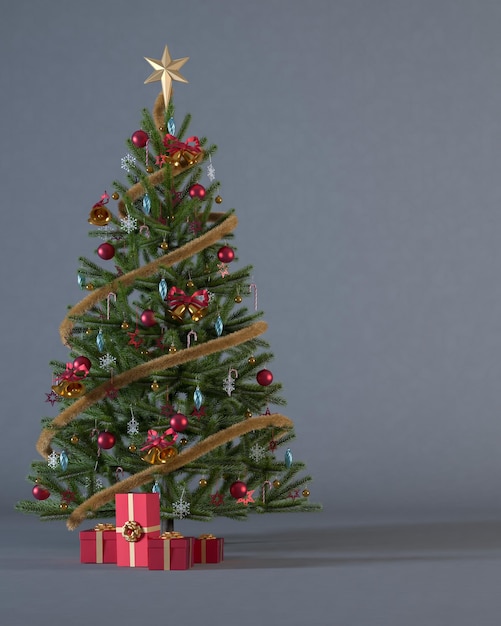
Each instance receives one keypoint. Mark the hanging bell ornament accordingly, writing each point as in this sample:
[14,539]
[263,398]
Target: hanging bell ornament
[99,215]
[60,388]
[156,456]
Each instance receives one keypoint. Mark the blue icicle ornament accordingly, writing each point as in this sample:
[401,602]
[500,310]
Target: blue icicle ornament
[146,204]
[162,288]
[63,460]
[100,340]
[218,325]
[198,398]
[288,458]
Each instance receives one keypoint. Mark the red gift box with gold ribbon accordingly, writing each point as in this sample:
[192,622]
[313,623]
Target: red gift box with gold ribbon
[170,551]
[209,549]
[137,519]
[98,545]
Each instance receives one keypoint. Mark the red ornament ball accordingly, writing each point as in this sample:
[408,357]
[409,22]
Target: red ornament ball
[148,318]
[82,362]
[238,489]
[197,191]
[226,254]
[106,251]
[264,377]
[106,440]
[139,138]
[40,493]
[179,422]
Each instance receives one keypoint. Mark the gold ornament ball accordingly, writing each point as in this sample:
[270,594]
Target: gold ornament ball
[238,299]
[144,352]
[202,482]
[115,196]
[164,245]
[155,386]
[89,287]
[190,284]
[276,484]
[88,331]
[149,169]
[306,493]
[74,439]
[161,129]
[124,325]
[172,348]
[218,199]
[132,447]
[252,360]
[183,441]
[248,413]
[63,506]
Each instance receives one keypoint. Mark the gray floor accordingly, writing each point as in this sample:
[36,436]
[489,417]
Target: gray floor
[275,572]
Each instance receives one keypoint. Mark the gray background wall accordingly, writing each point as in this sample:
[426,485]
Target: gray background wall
[359,141]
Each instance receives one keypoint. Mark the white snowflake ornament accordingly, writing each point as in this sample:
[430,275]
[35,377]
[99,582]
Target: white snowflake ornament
[129,224]
[53,460]
[132,426]
[257,453]
[181,508]
[127,162]
[107,361]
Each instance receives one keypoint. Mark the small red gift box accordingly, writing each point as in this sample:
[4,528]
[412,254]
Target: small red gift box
[170,551]
[99,545]
[209,549]
[138,519]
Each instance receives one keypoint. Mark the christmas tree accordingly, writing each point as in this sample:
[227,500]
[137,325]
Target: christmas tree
[168,387]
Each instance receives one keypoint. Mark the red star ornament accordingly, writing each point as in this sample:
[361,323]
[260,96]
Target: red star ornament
[52,397]
[248,498]
[217,499]
[198,412]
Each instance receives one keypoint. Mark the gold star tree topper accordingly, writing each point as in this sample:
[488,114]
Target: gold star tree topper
[166,70]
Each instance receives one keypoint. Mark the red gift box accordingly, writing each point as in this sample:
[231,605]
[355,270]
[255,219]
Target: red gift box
[170,551]
[99,545]
[209,549]
[138,519]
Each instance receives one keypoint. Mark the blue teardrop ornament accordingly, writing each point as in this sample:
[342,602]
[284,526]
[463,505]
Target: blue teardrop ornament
[171,126]
[146,204]
[81,281]
[63,460]
[198,398]
[288,458]
[219,326]
[156,488]
[162,288]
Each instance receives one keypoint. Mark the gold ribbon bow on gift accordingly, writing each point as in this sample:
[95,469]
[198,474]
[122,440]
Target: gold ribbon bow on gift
[207,536]
[102,527]
[132,531]
[172,534]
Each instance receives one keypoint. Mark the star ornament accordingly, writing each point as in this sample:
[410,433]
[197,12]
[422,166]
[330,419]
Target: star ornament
[248,498]
[166,70]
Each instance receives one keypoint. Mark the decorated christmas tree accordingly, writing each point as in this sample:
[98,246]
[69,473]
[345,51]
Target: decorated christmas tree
[168,387]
